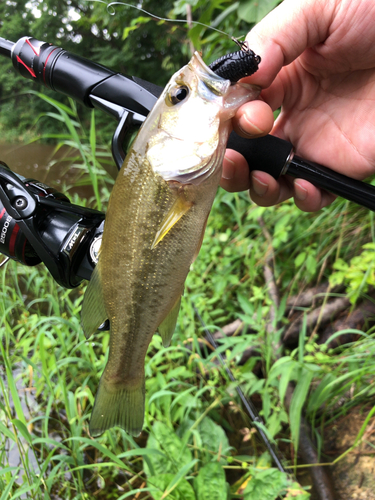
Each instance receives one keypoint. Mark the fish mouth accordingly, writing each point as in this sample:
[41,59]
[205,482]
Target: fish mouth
[214,83]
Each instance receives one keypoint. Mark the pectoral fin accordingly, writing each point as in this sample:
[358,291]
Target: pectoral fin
[179,208]
[93,312]
[168,325]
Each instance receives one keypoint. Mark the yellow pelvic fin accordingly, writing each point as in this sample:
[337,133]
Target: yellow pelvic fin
[93,312]
[179,208]
[168,325]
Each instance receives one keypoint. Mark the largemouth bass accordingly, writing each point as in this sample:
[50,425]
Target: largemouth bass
[153,231]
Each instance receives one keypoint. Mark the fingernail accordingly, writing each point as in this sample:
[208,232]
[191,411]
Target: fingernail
[229,169]
[299,191]
[256,130]
[258,186]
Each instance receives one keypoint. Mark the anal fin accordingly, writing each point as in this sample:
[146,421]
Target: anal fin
[93,312]
[168,325]
[179,208]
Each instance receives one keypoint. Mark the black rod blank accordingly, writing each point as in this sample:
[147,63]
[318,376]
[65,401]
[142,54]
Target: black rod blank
[275,156]
[5,47]
[325,178]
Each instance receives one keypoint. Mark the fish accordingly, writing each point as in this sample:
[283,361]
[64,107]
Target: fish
[153,231]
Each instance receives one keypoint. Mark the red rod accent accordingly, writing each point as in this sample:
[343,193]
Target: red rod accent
[30,70]
[35,50]
[13,237]
[2,213]
[45,65]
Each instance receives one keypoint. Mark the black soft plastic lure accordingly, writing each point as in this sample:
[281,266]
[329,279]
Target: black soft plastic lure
[236,65]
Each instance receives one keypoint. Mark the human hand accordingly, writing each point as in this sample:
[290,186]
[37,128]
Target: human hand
[318,64]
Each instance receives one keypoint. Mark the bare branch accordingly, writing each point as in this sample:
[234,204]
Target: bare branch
[330,311]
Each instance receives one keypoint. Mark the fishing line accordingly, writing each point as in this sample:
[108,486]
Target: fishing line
[249,406]
[112,11]
[3,262]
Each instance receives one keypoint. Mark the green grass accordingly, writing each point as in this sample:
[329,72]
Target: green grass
[50,372]
[192,445]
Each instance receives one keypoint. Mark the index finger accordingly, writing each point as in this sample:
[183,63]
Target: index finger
[285,33]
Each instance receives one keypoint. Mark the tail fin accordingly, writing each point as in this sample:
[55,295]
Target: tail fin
[120,407]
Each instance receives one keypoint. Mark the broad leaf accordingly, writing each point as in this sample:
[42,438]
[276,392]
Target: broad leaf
[175,452]
[210,483]
[255,10]
[213,437]
[266,485]
[161,482]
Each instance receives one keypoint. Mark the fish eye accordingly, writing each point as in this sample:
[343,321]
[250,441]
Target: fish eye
[178,94]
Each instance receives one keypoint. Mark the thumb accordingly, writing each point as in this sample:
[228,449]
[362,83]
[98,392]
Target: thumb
[286,32]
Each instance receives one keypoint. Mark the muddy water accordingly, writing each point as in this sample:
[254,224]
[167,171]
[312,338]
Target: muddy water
[41,162]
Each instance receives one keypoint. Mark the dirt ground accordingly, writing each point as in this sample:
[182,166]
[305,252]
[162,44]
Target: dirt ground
[354,475]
